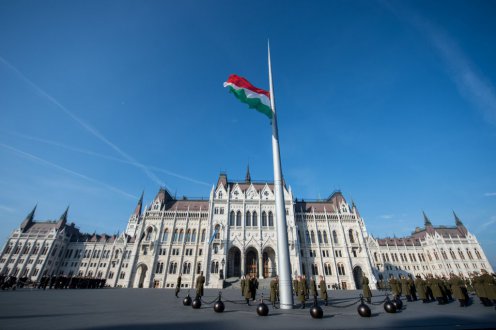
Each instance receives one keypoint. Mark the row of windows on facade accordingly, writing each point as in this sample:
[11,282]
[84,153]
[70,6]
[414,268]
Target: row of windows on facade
[394,256]
[173,268]
[326,254]
[327,269]
[322,237]
[251,219]
[26,249]
[189,236]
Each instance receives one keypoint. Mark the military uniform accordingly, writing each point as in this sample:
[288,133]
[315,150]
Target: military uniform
[295,286]
[274,291]
[313,288]
[254,287]
[456,285]
[395,287]
[405,288]
[302,292]
[200,282]
[178,285]
[437,291]
[420,287]
[243,284]
[247,290]
[489,284]
[367,294]
[323,290]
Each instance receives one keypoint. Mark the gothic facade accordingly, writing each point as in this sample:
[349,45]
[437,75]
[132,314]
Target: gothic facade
[231,233]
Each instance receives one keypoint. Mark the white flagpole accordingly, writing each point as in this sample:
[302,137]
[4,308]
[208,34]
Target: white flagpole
[283,264]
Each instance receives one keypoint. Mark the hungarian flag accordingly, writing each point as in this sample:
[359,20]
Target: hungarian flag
[256,98]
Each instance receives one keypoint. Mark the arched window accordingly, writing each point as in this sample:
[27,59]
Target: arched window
[352,237]
[188,235]
[219,195]
[375,257]
[214,268]
[326,241]
[231,219]
[445,256]
[149,232]
[312,237]
[254,219]
[193,236]
[271,219]
[181,235]
[248,219]
[469,254]
[460,253]
[335,237]
[264,219]
[238,219]
[328,269]
[307,237]
[116,254]
[176,235]
[436,255]
[319,236]
[198,268]
[186,268]
[160,268]
[477,254]
[315,269]
[217,231]
[90,273]
[203,235]
[341,269]
[165,236]
[452,253]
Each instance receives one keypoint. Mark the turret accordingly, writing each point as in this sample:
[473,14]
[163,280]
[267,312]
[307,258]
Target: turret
[29,220]
[248,176]
[63,218]
[459,224]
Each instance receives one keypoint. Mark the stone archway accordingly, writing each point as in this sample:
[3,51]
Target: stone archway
[269,262]
[140,275]
[251,262]
[358,276]
[234,262]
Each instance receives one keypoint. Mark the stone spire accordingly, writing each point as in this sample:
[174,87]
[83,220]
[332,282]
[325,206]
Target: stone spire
[248,176]
[457,220]
[427,222]
[29,219]
[63,217]
[137,210]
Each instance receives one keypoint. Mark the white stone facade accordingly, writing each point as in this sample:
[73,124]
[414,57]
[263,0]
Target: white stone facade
[234,233]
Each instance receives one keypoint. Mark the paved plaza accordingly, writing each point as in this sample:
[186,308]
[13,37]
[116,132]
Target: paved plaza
[160,309]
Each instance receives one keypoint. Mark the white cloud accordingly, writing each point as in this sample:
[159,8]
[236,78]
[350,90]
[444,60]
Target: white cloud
[386,216]
[490,194]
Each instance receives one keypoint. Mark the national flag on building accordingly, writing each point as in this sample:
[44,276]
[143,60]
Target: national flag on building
[244,91]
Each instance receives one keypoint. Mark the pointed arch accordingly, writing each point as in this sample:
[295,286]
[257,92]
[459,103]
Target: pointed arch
[248,219]
[254,220]
[271,219]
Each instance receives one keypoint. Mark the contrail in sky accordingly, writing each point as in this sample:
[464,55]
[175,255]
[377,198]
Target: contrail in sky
[82,176]
[470,83]
[87,127]
[92,153]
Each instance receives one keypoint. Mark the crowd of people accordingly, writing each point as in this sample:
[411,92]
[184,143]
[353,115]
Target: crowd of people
[428,289]
[52,282]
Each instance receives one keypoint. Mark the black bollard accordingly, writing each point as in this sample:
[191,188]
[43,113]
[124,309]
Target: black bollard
[196,304]
[388,306]
[262,309]
[397,303]
[219,305]
[363,309]
[187,300]
[316,311]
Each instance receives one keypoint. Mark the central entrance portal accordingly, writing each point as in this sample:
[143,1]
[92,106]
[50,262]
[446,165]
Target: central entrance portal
[252,262]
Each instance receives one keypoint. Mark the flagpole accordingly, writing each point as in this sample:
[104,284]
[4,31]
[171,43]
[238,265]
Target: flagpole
[283,264]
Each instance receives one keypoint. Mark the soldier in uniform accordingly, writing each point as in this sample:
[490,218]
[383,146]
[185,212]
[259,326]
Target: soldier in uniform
[302,287]
[420,287]
[411,286]
[243,284]
[313,288]
[367,294]
[178,285]
[437,291]
[274,290]
[405,288]
[200,281]
[247,290]
[395,288]
[295,285]
[254,287]
[456,285]
[489,284]
[323,289]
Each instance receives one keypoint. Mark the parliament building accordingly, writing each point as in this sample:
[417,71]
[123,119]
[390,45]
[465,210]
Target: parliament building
[231,233]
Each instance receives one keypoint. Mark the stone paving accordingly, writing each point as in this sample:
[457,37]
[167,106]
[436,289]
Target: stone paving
[160,309]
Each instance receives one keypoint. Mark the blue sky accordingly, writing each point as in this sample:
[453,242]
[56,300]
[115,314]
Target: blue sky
[393,103]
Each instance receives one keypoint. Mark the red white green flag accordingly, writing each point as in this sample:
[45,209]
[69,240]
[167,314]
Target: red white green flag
[256,98]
